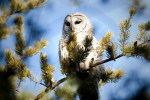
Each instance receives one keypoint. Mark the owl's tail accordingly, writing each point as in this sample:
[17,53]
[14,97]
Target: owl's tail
[88,89]
[88,83]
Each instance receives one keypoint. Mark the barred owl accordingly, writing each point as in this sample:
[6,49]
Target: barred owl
[80,25]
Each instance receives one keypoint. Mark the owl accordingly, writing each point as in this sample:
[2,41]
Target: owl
[80,25]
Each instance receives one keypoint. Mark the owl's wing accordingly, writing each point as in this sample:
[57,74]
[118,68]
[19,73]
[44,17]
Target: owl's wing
[93,54]
[63,52]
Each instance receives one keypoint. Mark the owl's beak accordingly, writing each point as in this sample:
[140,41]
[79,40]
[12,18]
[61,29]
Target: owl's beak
[72,29]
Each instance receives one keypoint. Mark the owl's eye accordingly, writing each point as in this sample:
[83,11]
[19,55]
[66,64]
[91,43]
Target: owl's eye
[67,23]
[77,22]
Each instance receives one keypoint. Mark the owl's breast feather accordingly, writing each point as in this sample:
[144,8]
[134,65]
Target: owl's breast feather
[81,37]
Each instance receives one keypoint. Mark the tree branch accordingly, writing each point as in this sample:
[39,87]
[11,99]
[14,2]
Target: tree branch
[96,63]
[144,42]
[36,81]
[40,95]
[58,82]
[106,60]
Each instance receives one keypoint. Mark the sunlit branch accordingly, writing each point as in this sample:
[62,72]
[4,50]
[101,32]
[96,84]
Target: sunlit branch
[36,81]
[144,42]
[48,89]
[106,60]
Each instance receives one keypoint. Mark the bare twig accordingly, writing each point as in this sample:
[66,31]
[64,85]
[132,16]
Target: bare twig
[106,60]
[31,78]
[144,42]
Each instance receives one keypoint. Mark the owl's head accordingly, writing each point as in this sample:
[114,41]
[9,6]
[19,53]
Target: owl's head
[76,23]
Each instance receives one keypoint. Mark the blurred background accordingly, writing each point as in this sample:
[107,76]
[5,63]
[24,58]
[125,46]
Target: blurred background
[47,22]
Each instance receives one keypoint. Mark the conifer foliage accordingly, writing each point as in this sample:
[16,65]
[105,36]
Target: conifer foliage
[16,69]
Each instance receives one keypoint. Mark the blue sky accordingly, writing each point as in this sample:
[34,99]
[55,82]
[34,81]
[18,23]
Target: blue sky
[47,21]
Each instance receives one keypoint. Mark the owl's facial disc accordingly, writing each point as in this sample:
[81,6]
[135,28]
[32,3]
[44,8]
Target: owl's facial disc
[74,23]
